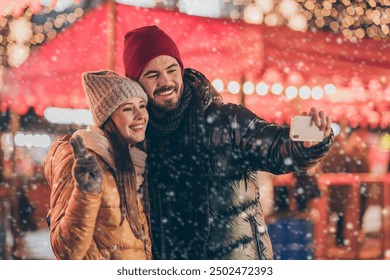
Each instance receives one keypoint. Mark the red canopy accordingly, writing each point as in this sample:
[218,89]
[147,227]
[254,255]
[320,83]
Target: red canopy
[220,49]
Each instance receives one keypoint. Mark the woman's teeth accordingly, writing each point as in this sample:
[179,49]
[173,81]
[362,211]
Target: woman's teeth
[136,127]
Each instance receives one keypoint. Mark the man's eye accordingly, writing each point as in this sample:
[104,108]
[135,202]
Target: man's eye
[152,76]
[171,70]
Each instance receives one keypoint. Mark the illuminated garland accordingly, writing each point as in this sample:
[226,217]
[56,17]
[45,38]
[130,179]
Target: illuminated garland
[14,53]
[354,19]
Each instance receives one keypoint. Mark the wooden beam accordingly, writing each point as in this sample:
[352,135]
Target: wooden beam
[111,35]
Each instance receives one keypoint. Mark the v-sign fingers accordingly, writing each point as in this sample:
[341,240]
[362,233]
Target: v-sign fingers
[79,149]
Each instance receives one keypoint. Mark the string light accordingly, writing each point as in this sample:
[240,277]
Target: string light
[68,116]
[353,19]
[234,87]
[291,90]
[277,88]
[330,89]
[317,93]
[248,88]
[304,92]
[218,85]
[25,34]
[262,88]
[32,140]
[18,47]
[253,14]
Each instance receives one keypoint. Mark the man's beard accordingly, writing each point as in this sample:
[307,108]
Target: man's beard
[168,105]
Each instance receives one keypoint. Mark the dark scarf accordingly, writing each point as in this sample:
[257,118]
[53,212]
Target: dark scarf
[188,159]
[172,119]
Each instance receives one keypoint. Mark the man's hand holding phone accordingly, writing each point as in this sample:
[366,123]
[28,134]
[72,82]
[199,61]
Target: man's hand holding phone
[310,128]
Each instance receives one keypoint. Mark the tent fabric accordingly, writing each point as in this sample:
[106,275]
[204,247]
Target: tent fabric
[221,49]
[52,74]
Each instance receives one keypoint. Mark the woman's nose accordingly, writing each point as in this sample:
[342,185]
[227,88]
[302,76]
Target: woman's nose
[138,114]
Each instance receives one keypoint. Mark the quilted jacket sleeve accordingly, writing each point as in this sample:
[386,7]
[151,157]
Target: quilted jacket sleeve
[252,143]
[72,212]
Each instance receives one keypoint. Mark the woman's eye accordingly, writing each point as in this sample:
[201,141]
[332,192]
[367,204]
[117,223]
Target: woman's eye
[127,109]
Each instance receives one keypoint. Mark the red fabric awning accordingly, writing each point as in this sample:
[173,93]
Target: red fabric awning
[220,49]
[52,74]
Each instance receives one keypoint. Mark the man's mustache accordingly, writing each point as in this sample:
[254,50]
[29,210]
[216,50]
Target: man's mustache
[165,88]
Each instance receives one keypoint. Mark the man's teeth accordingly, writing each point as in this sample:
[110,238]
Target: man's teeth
[165,92]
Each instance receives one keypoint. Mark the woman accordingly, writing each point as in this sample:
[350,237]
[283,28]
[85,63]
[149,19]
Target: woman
[98,200]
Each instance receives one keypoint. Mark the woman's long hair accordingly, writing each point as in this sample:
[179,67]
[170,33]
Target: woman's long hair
[125,178]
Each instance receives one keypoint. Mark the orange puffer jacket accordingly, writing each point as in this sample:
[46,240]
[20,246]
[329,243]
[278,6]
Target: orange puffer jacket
[86,225]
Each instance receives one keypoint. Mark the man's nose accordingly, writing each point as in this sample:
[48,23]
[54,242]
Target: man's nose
[163,80]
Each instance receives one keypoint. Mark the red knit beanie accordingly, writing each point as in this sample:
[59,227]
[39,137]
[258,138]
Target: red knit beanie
[144,44]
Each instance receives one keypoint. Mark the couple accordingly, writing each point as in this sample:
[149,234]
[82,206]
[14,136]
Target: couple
[197,197]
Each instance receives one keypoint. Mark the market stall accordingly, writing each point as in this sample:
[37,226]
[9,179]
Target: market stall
[274,71]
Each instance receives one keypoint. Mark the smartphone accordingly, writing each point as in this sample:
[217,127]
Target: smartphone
[303,129]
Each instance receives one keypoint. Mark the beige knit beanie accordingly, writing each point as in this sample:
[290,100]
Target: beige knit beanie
[106,91]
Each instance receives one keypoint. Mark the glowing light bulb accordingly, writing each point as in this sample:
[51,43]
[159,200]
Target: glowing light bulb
[298,23]
[317,93]
[234,87]
[218,84]
[304,92]
[248,88]
[253,14]
[262,88]
[277,88]
[291,92]
[330,89]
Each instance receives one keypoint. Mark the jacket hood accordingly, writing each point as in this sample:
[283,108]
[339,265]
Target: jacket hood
[207,93]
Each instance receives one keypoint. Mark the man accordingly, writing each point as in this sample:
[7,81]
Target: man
[202,157]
